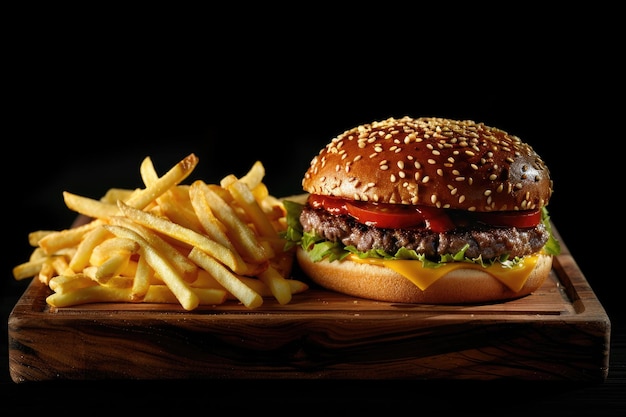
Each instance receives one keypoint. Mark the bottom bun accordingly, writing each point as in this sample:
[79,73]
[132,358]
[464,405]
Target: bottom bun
[376,282]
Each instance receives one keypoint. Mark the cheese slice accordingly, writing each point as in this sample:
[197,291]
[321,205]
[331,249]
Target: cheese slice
[513,277]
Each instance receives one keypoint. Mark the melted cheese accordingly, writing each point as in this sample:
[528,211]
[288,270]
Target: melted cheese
[514,277]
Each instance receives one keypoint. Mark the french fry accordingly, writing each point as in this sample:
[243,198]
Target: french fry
[111,257]
[174,176]
[185,267]
[227,279]
[278,285]
[28,269]
[53,242]
[172,278]
[206,280]
[159,294]
[112,267]
[103,251]
[36,236]
[47,272]
[244,197]
[147,171]
[206,296]
[240,233]
[89,207]
[211,225]
[90,240]
[141,283]
[68,283]
[92,294]
[178,209]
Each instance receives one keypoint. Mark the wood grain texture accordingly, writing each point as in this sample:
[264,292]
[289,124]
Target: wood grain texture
[559,333]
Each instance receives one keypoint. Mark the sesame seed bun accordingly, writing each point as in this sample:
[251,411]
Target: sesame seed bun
[432,162]
[375,282]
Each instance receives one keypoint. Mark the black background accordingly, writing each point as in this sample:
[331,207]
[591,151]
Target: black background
[89,98]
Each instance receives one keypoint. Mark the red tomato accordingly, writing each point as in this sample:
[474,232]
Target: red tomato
[400,216]
[330,204]
[386,216]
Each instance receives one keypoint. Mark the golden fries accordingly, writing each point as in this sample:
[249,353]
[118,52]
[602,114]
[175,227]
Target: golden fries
[199,244]
[172,278]
[226,279]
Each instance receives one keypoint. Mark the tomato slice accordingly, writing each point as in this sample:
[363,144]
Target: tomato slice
[400,216]
[386,216]
[520,219]
[333,205]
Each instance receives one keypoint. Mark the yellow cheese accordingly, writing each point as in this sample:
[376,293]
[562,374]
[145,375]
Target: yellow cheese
[514,277]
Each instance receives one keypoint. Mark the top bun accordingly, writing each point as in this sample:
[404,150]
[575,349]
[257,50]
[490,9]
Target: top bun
[434,162]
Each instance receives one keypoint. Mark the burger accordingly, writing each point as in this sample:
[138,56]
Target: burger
[425,210]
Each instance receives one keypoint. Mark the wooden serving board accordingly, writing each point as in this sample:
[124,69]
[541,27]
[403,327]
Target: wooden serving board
[561,332]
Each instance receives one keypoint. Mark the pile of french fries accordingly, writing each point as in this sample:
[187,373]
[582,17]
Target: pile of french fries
[197,244]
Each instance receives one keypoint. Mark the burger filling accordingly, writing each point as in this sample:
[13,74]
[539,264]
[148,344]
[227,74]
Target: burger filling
[478,241]
[333,228]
